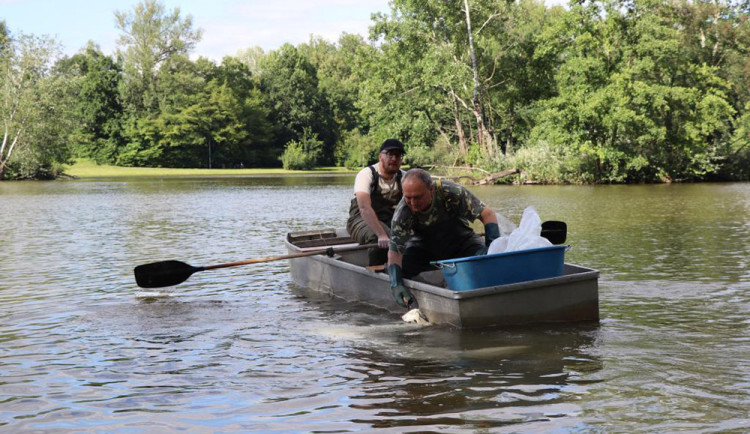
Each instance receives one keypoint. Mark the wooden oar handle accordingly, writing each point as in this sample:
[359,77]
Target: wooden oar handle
[329,251]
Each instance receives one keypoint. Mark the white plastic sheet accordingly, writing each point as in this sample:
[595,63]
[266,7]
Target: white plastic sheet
[526,236]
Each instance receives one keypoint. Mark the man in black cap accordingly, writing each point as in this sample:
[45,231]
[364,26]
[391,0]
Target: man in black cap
[377,191]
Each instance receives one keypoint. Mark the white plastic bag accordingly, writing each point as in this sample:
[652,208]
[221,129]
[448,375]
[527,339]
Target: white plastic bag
[506,226]
[526,236]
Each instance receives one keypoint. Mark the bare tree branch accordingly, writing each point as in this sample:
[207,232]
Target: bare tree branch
[490,18]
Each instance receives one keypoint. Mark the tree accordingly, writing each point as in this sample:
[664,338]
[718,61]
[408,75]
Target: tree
[98,111]
[150,36]
[337,79]
[302,154]
[522,57]
[252,58]
[290,82]
[33,109]
[211,117]
[437,69]
[632,106]
[406,90]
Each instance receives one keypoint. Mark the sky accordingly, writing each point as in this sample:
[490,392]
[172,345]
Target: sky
[228,25]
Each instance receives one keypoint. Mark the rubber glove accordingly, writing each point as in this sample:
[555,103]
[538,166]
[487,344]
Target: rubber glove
[491,233]
[400,293]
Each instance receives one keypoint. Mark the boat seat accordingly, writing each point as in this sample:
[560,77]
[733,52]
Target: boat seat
[322,247]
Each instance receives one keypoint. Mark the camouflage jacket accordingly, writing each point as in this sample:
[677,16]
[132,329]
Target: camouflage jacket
[449,202]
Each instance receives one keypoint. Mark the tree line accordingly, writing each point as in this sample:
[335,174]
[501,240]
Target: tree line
[598,92]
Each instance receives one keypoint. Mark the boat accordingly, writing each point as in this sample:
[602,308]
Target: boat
[343,273]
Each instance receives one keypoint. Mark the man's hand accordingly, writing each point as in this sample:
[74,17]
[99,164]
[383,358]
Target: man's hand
[383,241]
[402,296]
[400,293]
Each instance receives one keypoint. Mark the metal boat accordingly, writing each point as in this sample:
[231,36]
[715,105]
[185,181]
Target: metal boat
[571,297]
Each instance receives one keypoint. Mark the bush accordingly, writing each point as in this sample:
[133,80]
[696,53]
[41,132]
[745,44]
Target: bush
[442,153]
[357,151]
[303,154]
[545,163]
[27,164]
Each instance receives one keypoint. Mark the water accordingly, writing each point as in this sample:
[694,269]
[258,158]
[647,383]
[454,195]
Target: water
[243,349]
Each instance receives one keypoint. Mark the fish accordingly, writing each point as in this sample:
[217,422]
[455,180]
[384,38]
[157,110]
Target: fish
[415,316]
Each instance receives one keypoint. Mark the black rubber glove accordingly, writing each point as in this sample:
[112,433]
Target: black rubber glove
[491,233]
[400,293]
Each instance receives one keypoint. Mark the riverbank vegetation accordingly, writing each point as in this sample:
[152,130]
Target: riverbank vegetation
[597,92]
[88,169]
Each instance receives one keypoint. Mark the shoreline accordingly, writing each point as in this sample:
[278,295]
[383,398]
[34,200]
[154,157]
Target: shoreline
[82,170]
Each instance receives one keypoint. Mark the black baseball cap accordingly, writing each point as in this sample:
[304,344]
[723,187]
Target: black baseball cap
[392,144]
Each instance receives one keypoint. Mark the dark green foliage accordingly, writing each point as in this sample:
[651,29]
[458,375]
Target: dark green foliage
[35,102]
[603,91]
[97,109]
[630,105]
[357,151]
[290,82]
[212,116]
[303,154]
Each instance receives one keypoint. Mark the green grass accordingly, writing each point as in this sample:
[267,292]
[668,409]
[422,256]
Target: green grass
[88,169]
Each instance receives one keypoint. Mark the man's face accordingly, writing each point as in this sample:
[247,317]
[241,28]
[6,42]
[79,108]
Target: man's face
[390,161]
[417,195]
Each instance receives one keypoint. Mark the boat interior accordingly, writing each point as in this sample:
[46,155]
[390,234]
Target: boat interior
[338,239]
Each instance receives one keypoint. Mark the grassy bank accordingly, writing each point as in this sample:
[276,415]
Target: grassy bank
[88,169]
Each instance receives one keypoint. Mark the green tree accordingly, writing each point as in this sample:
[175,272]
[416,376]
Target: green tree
[256,147]
[291,84]
[252,58]
[150,36]
[212,117]
[522,48]
[439,64]
[97,109]
[632,106]
[34,108]
[336,77]
[410,78]
[4,35]
[303,154]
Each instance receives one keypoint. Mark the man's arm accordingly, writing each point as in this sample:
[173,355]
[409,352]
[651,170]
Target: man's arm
[488,216]
[491,228]
[400,293]
[395,257]
[364,202]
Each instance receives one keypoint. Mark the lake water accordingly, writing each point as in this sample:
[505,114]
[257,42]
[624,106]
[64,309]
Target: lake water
[242,349]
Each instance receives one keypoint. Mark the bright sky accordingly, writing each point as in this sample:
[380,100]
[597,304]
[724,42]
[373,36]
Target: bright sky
[228,25]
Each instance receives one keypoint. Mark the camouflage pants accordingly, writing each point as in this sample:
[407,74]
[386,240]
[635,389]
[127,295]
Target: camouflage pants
[363,234]
[419,253]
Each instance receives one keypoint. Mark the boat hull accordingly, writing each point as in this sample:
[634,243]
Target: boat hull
[572,297]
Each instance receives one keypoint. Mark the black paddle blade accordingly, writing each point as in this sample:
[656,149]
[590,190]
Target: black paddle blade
[164,273]
[556,232]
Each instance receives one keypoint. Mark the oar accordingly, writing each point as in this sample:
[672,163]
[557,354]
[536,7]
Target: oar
[168,273]
[555,231]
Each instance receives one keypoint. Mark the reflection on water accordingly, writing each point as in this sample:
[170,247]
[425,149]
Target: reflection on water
[243,349]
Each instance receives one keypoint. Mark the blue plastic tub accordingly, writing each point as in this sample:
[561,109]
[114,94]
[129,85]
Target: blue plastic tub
[473,272]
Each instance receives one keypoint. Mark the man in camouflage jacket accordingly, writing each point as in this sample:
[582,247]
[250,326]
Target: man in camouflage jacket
[431,222]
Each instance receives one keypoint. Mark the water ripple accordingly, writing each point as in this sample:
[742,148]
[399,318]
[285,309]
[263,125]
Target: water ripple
[243,349]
